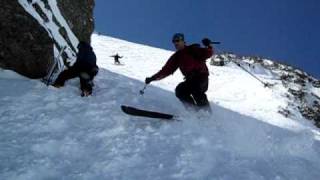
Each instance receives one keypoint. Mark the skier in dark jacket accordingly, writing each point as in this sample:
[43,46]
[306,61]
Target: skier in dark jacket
[116,59]
[191,60]
[85,68]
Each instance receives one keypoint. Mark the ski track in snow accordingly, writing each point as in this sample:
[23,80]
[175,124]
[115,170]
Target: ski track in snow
[49,133]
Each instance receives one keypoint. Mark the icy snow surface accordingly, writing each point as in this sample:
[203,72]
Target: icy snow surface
[49,133]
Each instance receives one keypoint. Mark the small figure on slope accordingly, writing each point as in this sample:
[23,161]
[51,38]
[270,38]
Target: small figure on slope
[116,59]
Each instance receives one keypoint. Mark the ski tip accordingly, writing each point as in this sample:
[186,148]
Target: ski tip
[123,107]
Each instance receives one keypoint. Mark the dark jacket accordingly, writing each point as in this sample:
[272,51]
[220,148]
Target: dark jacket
[191,61]
[86,58]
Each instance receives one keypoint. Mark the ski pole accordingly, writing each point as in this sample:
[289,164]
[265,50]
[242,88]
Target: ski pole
[215,42]
[238,64]
[51,70]
[264,83]
[144,88]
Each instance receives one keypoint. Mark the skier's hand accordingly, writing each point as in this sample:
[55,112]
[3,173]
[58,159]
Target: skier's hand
[206,42]
[149,80]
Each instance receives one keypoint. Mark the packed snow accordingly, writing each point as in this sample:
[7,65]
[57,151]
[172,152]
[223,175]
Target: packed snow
[49,133]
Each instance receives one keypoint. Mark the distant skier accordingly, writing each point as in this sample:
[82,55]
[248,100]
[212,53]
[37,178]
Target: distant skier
[116,59]
[85,68]
[191,60]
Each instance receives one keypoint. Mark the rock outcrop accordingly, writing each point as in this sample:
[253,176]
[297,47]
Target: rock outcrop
[32,32]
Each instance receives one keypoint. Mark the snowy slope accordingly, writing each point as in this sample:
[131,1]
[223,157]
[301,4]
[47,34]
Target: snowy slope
[230,86]
[49,133]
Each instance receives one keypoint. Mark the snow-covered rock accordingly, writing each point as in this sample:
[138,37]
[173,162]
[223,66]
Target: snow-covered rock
[299,86]
[33,31]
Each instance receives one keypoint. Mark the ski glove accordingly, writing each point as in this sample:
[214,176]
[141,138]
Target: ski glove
[149,80]
[206,42]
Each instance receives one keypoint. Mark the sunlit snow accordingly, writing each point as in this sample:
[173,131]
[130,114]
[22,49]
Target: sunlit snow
[49,133]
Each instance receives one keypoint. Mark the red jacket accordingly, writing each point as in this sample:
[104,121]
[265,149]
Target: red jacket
[190,60]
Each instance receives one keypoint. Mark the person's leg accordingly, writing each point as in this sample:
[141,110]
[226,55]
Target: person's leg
[86,81]
[93,73]
[199,88]
[183,94]
[202,102]
[85,84]
[64,76]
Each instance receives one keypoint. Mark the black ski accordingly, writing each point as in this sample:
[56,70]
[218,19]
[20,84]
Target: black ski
[144,113]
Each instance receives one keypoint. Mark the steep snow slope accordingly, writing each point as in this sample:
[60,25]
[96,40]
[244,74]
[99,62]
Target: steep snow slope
[230,86]
[49,133]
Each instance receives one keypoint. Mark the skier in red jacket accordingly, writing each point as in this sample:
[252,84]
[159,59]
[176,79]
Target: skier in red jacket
[191,60]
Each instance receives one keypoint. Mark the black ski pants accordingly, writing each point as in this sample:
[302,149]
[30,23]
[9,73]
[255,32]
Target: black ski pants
[86,77]
[193,91]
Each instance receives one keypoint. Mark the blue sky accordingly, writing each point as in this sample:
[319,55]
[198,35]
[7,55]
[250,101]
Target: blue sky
[283,30]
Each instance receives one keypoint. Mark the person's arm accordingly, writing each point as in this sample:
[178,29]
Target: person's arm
[202,54]
[208,52]
[169,68]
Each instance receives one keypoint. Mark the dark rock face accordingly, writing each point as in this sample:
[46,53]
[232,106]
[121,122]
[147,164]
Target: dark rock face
[26,46]
[79,16]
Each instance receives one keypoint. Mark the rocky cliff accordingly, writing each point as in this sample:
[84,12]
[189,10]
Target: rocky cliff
[32,32]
